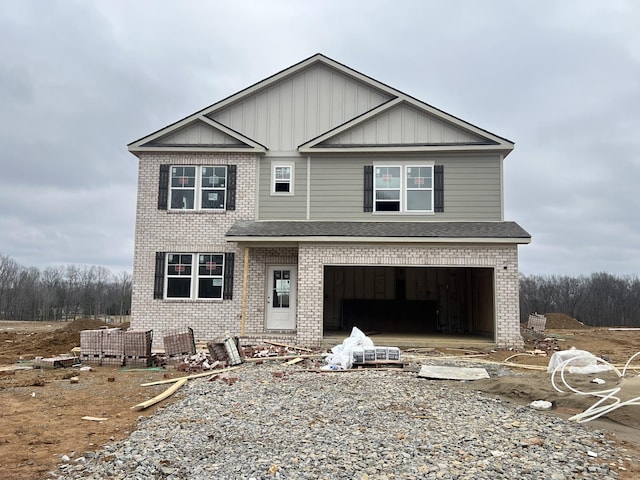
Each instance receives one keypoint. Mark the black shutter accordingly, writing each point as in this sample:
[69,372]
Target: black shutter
[158,283]
[163,187]
[368,188]
[227,294]
[438,188]
[231,187]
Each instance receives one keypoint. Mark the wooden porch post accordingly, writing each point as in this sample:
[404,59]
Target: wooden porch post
[244,290]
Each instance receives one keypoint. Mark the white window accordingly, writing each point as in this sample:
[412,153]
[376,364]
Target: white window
[282,179]
[202,281]
[198,188]
[403,188]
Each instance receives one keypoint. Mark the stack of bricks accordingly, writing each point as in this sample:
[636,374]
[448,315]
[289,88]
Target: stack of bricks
[137,348]
[115,347]
[177,345]
[91,347]
[225,350]
[112,347]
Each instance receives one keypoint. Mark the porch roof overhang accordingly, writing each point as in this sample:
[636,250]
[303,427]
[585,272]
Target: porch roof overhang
[377,232]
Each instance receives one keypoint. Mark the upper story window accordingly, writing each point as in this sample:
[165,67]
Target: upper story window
[198,188]
[406,188]
[282,179]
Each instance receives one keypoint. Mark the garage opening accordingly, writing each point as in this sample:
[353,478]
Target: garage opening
[411,300]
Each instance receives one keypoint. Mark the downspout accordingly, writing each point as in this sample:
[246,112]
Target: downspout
[243,315]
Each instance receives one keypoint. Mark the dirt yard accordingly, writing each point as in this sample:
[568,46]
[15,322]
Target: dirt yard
[41,418]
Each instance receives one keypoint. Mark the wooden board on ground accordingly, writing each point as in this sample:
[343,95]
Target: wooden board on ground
[452,373]
[158,398]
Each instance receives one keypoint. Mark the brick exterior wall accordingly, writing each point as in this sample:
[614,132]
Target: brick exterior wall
[313,258]
[188,232]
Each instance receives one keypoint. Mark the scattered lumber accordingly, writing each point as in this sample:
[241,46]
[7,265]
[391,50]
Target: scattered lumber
[294,347]
[188,377]
[158,398]
[293,361]
[286,357]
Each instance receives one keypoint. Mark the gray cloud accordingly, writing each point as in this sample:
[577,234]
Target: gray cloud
[81,79]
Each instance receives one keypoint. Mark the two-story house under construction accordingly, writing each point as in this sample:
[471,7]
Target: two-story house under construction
[319,199]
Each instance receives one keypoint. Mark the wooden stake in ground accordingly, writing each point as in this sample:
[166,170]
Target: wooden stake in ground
[158,398]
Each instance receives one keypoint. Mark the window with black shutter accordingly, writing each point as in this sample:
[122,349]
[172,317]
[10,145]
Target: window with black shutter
[438,188]
[231,187]
[368,188]
[158,281]
[163,187]
[228,276]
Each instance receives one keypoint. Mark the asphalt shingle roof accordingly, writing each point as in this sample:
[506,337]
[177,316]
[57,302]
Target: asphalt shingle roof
[489,230]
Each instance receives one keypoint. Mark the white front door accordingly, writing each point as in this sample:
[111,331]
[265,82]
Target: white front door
[281,297]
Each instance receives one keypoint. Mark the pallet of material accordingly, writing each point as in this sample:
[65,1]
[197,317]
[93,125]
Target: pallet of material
[116,360]
[112,342]
[62,361]
[134,361]
[179,343]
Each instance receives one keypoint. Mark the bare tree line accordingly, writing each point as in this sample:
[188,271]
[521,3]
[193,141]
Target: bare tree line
[601,299]
[61,293]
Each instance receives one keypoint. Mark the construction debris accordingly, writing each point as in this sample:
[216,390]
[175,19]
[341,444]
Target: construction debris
[537,322]
[188,377]
[452,373]
[116,347]
[225,350]
[158,398]
[358,349]
[61,361]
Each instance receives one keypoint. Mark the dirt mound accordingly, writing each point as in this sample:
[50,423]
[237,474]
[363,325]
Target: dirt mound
[562,321]
[28,345]
[84,324]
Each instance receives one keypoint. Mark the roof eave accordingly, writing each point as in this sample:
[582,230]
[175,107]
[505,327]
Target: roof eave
[505,150]
[197,149]
[354,239]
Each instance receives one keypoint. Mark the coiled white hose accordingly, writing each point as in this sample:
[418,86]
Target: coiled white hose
[601,407]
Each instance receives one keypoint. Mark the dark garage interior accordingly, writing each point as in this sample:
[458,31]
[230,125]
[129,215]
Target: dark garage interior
[409,300]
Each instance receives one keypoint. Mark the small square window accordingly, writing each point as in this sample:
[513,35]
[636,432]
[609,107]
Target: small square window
[282,179]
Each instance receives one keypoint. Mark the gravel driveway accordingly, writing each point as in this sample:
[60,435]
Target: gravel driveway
[283,422]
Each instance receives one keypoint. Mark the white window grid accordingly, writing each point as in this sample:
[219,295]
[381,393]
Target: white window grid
[198,189]
[277,178]
[404,188]
[194,275]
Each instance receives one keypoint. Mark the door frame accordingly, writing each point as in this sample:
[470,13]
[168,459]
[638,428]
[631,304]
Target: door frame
[270,323]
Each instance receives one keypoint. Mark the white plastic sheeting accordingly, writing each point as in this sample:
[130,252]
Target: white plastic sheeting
[341,356]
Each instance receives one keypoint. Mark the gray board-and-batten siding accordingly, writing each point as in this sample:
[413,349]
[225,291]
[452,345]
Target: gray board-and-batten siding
[472,188]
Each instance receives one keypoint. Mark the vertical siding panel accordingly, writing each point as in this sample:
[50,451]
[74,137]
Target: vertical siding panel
[286,111]
[382,124]
[273,118]
[324,99]
[349,100]
[311,102]
[262,120]
[435,128]
[422,129]
[299,116]
[449,134]
[369,133]
[250,117]
[337,99]
[395,124]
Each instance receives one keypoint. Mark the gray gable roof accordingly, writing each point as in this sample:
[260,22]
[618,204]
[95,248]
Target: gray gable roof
[510,232]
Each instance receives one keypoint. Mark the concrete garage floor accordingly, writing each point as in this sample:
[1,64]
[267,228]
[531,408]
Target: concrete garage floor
[414,340]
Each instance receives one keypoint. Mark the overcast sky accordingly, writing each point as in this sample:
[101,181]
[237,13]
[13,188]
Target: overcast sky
[81,79]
